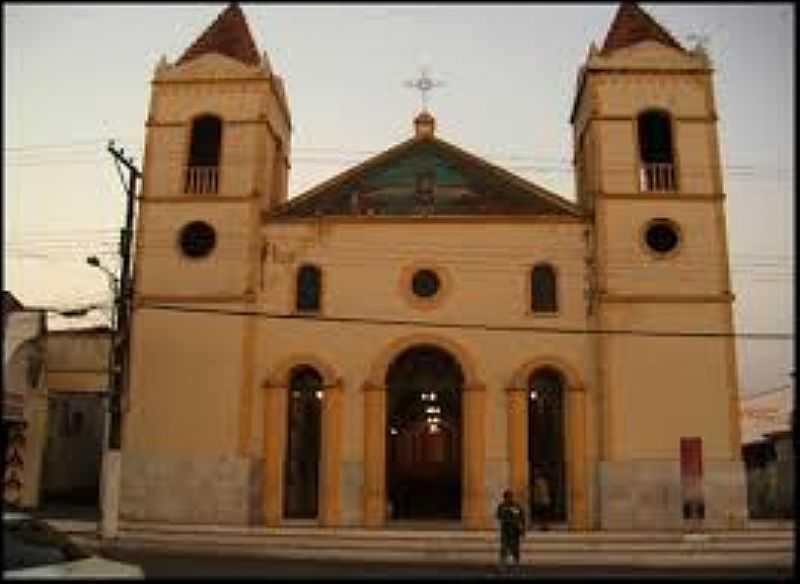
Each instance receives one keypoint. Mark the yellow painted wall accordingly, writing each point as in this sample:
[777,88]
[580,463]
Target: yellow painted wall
[662,388]
[185,383]
[618,170]
[164,269]
[696,266]
[485,267]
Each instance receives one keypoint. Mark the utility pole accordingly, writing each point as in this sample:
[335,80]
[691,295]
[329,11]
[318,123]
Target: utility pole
[120,343]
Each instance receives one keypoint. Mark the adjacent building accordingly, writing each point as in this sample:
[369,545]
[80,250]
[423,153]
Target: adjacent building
[768,452]
[77,373]
[24,401]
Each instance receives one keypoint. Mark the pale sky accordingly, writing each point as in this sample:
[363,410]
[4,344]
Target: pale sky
[75,76]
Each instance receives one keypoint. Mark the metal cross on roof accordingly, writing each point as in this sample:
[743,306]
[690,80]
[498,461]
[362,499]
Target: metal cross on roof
[424,84]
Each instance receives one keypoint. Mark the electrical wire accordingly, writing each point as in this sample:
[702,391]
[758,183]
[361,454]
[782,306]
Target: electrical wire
[465,326]
[540,164]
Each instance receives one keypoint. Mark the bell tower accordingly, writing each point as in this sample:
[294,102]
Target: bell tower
[648,169]
[216,156]
[216,159]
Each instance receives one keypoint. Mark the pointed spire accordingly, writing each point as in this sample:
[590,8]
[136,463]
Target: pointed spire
[632,25]
[228,35]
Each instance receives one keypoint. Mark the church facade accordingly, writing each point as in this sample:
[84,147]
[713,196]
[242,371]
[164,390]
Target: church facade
[413,336]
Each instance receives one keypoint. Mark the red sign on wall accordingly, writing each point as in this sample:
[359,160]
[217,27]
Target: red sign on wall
[691,459]
[692,478]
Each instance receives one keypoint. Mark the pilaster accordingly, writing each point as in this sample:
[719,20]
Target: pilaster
[518,444]
[578,496]
[475,514]
[331,483]
[275,402]
[374,455]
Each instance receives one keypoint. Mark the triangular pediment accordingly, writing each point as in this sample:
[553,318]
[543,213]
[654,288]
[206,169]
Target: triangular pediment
[426,176]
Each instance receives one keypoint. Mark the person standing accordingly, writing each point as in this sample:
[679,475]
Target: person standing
[512,526]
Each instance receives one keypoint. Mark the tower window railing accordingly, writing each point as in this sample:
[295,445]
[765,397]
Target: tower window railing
[658,177]
[201,180]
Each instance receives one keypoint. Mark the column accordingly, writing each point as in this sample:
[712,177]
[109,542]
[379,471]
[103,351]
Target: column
[275,399]
[475,505]
[330,488]
[374,455]
[517,400]
[579,515]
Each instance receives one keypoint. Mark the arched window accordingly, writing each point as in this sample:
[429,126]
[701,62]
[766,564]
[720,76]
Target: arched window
[656,152]
[303,443]
[309,288]
[202,169]
[543,289]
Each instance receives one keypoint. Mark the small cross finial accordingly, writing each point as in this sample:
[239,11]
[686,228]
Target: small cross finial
[424,84]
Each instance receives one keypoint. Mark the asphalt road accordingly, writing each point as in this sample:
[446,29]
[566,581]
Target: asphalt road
[212,566]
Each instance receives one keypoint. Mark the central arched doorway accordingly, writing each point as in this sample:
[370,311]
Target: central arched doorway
[423,442]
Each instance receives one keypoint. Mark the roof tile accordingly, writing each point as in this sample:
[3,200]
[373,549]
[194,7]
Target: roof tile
[228,35]
[632,25]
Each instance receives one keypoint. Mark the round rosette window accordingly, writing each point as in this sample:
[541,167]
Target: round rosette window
[662,236]
[425,283]
[197,239]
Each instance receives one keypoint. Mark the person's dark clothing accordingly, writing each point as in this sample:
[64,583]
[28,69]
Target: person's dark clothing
[512,526]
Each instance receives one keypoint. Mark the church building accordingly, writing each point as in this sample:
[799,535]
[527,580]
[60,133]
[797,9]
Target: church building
[406,340]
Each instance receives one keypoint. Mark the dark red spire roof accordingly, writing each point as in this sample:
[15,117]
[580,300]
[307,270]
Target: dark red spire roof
[227,35]
[632,25]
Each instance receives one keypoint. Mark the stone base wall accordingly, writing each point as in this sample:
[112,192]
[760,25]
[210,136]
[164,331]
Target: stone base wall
[647,495]
[216,490]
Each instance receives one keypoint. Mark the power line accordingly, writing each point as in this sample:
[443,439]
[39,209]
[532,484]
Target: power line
[541,164]
[767,391]
[469,326]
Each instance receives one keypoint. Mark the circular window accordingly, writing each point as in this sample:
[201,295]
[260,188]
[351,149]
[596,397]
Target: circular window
[197,239]
[661,236]
[425,283]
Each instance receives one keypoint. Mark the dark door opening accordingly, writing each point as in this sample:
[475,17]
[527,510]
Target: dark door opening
[546,444]
[303,444]
[423,443]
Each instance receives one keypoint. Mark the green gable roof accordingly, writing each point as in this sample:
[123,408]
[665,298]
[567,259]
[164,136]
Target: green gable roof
[391,184]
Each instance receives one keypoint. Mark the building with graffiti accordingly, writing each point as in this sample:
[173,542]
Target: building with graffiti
[24,401]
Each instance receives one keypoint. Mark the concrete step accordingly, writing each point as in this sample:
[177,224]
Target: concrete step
[456,535]
[483,555]
[481,547]
[749,547]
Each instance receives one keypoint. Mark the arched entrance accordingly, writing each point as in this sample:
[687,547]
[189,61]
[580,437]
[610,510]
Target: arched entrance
[423,441]
[303,445]
[546,445]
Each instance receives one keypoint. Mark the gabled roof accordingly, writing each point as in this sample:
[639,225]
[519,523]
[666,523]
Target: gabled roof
[228,35]
[464,184]
[633,25]
[10,303]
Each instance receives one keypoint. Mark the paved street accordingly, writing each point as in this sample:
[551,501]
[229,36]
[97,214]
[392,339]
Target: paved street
[181,565]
